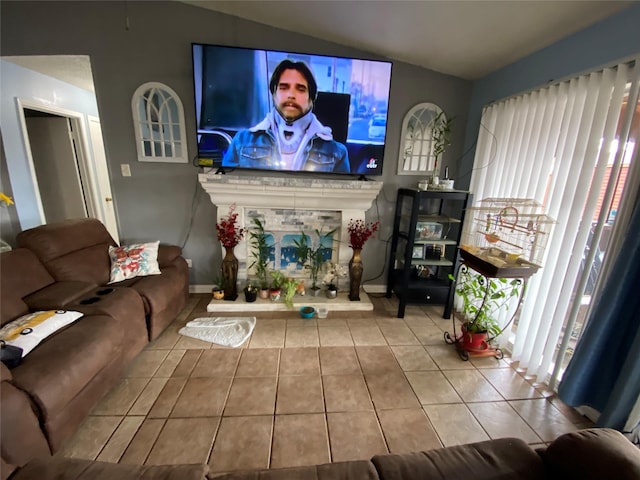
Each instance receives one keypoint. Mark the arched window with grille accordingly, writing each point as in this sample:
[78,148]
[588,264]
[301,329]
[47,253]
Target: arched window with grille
[158,118]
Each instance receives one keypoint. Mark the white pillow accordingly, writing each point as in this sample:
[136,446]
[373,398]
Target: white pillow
[137,260]
[29,330]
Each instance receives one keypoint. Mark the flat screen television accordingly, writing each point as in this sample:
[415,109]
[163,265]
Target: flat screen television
[339,127]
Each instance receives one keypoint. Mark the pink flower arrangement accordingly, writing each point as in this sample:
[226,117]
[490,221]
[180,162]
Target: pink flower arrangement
[229,233]
[359,232]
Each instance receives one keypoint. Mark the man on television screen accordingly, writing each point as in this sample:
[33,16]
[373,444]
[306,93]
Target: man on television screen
[290,137]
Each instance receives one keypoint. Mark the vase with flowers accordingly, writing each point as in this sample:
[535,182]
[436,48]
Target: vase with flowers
[359,233]
[230,234]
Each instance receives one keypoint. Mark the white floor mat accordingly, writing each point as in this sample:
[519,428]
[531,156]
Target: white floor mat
[226,331]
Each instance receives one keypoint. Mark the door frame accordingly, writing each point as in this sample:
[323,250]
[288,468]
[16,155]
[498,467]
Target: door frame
[86,169]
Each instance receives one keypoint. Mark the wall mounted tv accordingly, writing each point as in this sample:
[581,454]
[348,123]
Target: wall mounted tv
[315,114]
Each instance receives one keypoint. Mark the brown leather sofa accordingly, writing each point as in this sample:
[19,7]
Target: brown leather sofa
[66,266]
[594,454]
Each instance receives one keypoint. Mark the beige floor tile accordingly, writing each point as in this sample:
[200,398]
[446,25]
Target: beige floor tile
[377,360]
[447,358]
[301,337]
[142,442]
[120,439]
[251,396]
[389,321]
[418,320]
[146,363]
[341,434]
[202,397]
[170,363]
[148,396]
[242,443]
[259,362]
[546,420]
[334,336]
[167,398]
[500,420]
[302,322]
[299,394]
[217,363]
[428,334]
[510,384]
[187,363]
[166,341]
[472,386]
[413,358]
[300,440]
[270,336]
[432,388]
[120,399]
[455,424]
[184,440]
[367,335]
[408,430]
[489,362]
[189,343]
[332,322]
[390,390]
[346,393]
[299,361]
[339,361]
[91,437]
[399,335]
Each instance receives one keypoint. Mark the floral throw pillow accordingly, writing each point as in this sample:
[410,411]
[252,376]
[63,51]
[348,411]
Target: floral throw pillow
[137,260]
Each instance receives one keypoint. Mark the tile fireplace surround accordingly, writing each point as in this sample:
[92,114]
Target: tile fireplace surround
[351,198]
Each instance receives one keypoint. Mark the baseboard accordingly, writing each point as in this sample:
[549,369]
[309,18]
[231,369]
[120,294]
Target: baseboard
[375,288]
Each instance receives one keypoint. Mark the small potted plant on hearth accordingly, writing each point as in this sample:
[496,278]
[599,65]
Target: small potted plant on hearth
[261,251]
[312,258]
[250,293]
[332,272]
[218,289]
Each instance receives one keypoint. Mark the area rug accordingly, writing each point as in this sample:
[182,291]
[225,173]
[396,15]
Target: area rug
[225,331]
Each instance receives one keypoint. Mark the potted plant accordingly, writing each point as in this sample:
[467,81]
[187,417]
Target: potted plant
[483,298]
[332,272]
[218,289]
[441,135]
[260,250]
[312,258]
[282,287]
[250,293]
[289,287]
[277,281]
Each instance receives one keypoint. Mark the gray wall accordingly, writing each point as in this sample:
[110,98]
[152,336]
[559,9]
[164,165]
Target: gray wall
[156,201]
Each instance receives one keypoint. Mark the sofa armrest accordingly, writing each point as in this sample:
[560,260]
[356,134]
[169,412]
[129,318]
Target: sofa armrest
[593,453]
[60,468]
[58,295]
[167,254]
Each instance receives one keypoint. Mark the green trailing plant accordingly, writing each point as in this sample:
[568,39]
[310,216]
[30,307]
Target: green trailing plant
[260,250]
[288,291]
[483,298]
[310,258]
[277,279]
[441,134]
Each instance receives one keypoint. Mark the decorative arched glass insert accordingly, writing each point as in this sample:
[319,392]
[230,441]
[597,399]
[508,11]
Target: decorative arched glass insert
[417,155]
[158,118]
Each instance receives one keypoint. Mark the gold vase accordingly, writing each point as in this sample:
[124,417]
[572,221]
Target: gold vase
[355,275]
[230,274]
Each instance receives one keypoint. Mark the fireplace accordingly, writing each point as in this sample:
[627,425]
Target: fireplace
[291,204]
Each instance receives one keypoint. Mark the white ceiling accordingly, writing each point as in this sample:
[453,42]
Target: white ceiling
[468,39]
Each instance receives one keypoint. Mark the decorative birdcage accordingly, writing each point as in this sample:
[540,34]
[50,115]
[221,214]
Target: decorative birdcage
[507,232]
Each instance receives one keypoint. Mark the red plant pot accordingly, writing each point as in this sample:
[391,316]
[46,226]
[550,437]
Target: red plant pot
[475,341]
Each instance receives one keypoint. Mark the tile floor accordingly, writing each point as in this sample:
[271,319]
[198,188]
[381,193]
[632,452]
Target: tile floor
[303,392]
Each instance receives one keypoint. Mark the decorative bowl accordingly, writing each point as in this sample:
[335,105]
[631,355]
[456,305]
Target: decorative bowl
[307,312]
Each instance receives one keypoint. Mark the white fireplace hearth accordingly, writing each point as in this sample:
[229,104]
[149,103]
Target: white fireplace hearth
[351,198]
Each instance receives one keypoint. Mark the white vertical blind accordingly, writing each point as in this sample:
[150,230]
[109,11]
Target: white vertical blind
[551,145]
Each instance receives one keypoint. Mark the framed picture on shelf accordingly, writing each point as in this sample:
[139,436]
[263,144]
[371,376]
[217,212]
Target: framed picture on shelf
[418,252]
[428,230]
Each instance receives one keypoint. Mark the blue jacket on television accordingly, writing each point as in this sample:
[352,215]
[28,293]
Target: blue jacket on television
[257,148]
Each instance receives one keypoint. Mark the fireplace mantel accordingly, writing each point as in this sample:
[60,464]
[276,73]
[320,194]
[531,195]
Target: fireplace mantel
[350,197]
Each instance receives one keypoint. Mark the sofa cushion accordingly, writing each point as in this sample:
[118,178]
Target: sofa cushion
[592,454]
[33,277]
[505,458]
[71,250]
[58,468]
[61,366]
[58,295]
[136,260]
[359,469]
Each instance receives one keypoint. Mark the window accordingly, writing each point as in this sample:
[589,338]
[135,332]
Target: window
[158,118]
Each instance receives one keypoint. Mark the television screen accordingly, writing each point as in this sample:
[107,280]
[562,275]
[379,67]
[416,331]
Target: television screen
[284,111]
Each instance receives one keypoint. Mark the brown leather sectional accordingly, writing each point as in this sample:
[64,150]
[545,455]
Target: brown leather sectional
[594,454]
[66,266]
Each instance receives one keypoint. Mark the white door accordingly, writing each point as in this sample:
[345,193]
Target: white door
[103,183]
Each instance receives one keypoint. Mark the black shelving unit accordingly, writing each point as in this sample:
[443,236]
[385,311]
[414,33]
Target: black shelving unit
[424,248]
